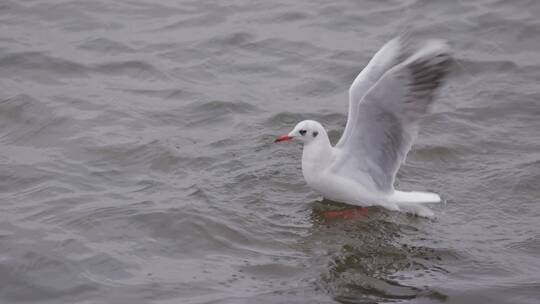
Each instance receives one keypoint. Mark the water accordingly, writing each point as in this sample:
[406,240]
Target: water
[137,163]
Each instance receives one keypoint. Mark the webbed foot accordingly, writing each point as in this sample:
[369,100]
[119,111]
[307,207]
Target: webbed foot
[346,214]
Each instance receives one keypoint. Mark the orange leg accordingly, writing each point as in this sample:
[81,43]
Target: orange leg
[347,213]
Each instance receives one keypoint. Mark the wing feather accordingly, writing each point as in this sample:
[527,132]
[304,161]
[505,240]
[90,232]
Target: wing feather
[392,53]
[387,118]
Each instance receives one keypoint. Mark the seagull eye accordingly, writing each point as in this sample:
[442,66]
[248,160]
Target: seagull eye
[302,132]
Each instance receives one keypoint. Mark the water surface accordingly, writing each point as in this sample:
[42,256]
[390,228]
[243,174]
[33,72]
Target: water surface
[137,163]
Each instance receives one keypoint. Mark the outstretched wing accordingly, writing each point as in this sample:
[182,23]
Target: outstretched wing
[386,122]
[392,53]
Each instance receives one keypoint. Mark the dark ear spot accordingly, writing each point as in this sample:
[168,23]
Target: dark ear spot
[315,134]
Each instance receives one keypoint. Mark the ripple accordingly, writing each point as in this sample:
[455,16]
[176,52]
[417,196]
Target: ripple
[292,16]
[214,112]
[24,62]
[163,94]
[38,62]
[27,119]
[105,46]
[41,268]
[155,155]
[233,39]
[133,68]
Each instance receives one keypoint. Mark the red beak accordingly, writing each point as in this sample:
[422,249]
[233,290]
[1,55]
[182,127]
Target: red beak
[283,138]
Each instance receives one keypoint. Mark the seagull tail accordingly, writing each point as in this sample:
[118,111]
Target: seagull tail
[415,197]
[413,202]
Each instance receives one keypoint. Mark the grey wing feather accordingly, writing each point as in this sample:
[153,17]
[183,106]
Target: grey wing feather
[388,117]
[391,54]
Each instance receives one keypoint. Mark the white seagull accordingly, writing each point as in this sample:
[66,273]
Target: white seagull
[386,102]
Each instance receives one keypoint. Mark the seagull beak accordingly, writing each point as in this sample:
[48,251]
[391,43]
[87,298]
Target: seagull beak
[283,138]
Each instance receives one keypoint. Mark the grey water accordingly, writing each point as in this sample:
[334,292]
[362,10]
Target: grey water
[137,164]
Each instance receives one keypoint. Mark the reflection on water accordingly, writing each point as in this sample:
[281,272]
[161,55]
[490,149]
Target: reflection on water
[369,257]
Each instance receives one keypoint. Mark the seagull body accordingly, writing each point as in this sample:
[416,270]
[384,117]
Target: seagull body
[386,102]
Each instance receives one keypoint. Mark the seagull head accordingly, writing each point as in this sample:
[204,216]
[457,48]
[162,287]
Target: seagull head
[306,131]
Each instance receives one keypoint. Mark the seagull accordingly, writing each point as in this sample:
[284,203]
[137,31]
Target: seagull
[387,100]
